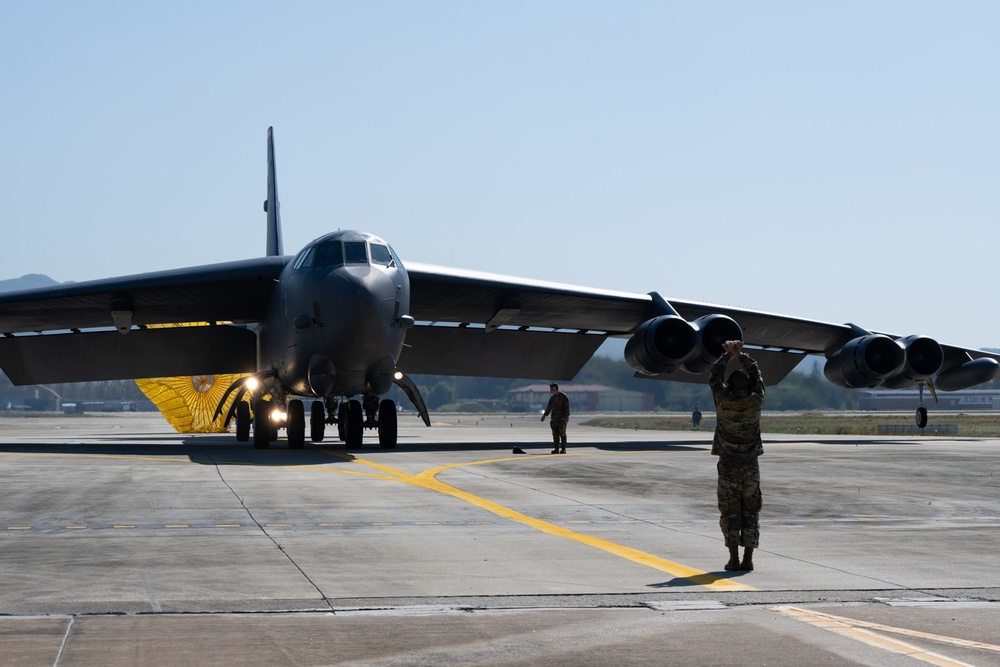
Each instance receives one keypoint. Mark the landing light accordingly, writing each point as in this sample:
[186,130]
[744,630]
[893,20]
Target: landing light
[251,384]
[397,375]
[278,415]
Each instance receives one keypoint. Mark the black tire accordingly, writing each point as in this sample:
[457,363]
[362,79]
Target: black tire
[242,421]
[317,421]
[295,427]
[355,424]
[342,422]
[262,424]
[921,417]
[388,430]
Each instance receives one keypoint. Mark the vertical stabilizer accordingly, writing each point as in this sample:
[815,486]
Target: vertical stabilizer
[271,205]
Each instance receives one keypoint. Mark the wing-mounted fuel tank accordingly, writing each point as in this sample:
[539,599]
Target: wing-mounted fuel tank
[964,371]
[875,360]
[668,342]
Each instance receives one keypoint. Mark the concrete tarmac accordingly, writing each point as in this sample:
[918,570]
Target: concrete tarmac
[124,543]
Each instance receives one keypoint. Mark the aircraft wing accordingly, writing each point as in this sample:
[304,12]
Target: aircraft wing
[471,322]
[78,324]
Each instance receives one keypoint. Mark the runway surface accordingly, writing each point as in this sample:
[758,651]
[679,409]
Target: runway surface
[124,543]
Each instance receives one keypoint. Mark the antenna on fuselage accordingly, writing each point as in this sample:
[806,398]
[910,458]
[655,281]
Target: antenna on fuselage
[271,205]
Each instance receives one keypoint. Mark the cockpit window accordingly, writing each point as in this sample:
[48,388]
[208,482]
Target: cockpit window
[328,255]
[355,253]
[304,259]
[381,255]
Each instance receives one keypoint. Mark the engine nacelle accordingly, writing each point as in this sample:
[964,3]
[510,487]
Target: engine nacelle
[924,357]
[713,331]
[667,343]
[968,374]
[865,362]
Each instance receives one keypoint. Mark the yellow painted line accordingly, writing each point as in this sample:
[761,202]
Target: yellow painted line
[18,527]
[953,641]
[227,525]
[123,526]
[427,479]
[863,631]
[176,525]
[279,525]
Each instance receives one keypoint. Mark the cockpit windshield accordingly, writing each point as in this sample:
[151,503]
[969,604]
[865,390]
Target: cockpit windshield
[355,253]
[334,253]
[381,255]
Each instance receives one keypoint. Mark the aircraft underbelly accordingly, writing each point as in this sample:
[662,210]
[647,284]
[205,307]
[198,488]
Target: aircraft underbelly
[351,339]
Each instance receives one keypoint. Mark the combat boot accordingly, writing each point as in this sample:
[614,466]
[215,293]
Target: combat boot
[747,564]
[734,559]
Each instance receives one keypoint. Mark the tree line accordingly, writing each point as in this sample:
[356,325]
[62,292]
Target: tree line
[800,390]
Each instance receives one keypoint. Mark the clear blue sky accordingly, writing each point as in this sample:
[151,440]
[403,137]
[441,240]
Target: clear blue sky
[838,160]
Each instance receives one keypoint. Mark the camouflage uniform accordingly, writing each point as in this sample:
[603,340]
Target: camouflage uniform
[737,443]
[558,407]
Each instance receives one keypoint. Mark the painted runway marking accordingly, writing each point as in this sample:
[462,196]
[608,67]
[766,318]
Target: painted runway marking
[865,631]
[428,480]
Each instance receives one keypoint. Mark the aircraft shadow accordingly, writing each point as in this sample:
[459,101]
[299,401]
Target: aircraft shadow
[223,449]
[201,450]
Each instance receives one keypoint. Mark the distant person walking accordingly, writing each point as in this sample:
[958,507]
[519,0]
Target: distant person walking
[696,417]
[737,443]
[558,407]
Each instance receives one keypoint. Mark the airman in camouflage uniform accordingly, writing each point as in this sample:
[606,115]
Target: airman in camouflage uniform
[558,407]
[737,443]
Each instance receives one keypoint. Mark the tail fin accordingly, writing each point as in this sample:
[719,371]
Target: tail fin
[271,205]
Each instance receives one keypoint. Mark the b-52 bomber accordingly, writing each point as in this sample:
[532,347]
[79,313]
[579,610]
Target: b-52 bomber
[342,321]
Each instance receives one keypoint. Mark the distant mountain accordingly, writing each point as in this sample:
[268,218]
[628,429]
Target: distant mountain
[30,281]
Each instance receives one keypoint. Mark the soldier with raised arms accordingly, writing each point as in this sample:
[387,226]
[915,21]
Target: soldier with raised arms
[737,443]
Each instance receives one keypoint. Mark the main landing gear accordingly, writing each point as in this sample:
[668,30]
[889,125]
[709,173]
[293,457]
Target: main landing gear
[351,421]
[267,410]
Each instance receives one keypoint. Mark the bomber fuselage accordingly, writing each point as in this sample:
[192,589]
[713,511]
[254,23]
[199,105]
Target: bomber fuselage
[333,326]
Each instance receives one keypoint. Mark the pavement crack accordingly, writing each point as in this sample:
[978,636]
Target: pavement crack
[263,530]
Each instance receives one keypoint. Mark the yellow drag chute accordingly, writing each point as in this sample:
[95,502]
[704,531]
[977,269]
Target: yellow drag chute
[189,402]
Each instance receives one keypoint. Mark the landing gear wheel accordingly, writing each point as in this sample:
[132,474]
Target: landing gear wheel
[295,427]
[921,417]
[262,424]
[317,421]
[242,421]
[355,424]
[387,425]
[342,422]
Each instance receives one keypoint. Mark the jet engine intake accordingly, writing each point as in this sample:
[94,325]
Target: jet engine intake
[667,343]
[924,357]
[865,362]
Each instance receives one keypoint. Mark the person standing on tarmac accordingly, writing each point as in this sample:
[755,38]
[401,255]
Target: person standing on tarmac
[558,407]
[737,443]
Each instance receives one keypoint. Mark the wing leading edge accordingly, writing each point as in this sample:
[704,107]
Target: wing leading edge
[59,349]
[554,314]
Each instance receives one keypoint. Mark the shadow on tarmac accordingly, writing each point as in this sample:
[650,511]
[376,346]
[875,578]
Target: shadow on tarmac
[222,449]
